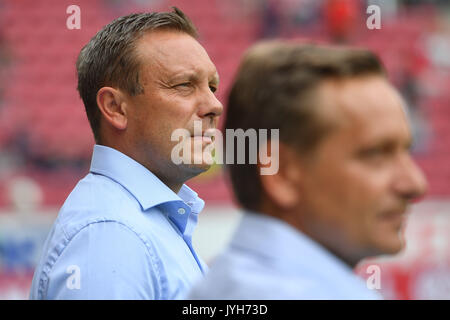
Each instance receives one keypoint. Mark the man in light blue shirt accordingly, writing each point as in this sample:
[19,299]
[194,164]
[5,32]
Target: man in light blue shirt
[269,259]
[345,175]
[125,231]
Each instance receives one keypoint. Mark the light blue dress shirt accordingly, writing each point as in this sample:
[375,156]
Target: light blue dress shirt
[121,234]
[269,259]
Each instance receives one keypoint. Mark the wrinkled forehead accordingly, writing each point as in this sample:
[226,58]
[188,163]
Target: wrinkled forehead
[164,53]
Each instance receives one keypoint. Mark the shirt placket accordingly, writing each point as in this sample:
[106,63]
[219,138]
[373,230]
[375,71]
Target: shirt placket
[185,220]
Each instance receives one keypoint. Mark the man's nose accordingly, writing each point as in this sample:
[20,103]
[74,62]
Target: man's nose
[410,181]
[210,106]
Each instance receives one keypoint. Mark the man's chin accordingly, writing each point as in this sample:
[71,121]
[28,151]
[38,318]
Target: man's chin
[393,249]
[195,169]
[389,237]
[388,248]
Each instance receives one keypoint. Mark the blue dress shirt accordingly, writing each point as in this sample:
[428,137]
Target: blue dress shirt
[269,259]
[121,234]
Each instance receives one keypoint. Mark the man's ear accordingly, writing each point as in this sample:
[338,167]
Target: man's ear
[113,107]
[283,188]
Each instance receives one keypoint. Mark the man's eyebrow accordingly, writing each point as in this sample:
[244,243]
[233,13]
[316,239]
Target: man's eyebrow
[389,142]
[215,78]
[185,75]
[194,76]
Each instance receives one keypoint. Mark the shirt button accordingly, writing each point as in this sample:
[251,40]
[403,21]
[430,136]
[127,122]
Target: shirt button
[181,211]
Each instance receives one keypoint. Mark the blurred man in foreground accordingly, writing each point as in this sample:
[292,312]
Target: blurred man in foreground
[125,231]
[345,175]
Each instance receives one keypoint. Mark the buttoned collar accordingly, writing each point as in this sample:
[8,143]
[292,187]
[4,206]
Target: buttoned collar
[148,189]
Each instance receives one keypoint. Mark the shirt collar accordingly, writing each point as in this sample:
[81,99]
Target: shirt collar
[148,189]
[290,251]
[277,240]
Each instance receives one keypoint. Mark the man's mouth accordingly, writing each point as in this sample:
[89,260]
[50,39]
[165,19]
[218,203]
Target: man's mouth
[206,136]
[203,139]
[396,215]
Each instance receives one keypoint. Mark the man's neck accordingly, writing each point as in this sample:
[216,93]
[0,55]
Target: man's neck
[321,237]
[172,184]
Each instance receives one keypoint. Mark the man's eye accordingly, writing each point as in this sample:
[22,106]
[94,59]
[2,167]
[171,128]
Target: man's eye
[377,153]
[213,89]
[372,152]
[184,84]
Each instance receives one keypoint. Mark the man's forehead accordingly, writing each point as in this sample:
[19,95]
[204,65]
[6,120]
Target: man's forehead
[360,98]
[173,53]
[369,108]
